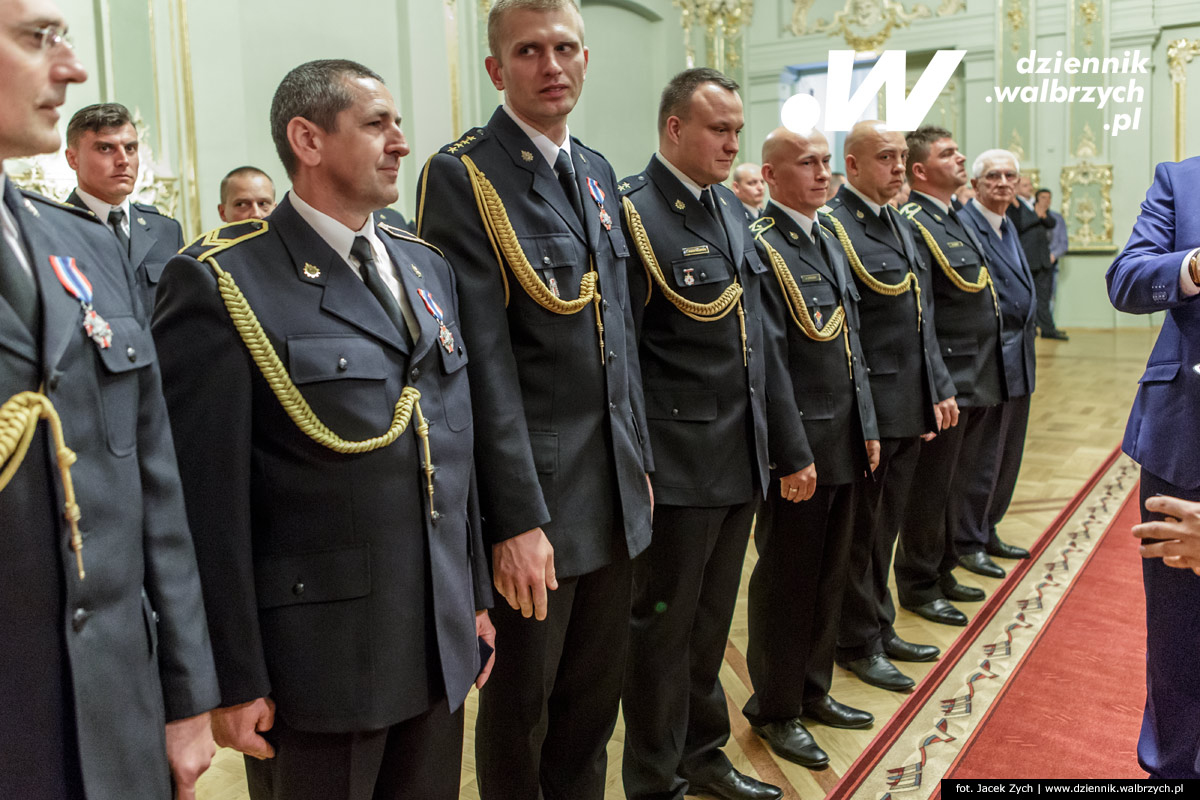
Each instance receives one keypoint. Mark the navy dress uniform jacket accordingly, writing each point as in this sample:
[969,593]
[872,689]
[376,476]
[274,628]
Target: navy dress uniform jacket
[967,323]
[154,239]
[908,376]
[697,414]
[562,441]
[329,586]
[131,637]
[835,403]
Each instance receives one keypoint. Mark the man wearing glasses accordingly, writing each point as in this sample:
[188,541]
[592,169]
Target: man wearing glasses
[101,619]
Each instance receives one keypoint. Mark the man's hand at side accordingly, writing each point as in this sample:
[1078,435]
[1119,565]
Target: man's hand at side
[799,486]
[190,749]
[239,727]
[523,568]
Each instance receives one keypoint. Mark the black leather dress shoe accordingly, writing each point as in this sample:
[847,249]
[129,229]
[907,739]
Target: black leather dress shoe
[876,670]
[791,740]
[961,593]
[981,564]
[939,611]
[998,549]
[832,713]
[733,785]
[899,650]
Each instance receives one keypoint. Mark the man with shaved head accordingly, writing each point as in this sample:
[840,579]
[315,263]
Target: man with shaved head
[803,548]
[913,393]
[749,187]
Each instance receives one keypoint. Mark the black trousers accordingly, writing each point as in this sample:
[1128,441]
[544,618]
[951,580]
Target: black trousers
[983,494]
[684,589]
[1043,287]
[796,599]
[867,608]
[417,759]
[925,555]
[550,705]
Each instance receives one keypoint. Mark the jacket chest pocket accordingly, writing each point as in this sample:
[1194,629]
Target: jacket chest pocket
[131,351]
[344,378]
[819,296]
[964,260]
[455,391]
[700,271]
[883,263]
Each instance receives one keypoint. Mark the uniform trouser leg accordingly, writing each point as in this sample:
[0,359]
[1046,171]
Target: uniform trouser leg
[795,600]
[1012,448]
[975,479]
[684,590]
[550,705]
[925,554]
[1169,744]
[1043,286]
[417,759]
[867,608]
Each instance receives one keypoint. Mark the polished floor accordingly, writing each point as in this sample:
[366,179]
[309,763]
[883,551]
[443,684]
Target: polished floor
[1084,390]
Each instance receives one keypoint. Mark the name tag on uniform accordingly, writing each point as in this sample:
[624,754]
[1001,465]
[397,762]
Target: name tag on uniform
[812,277]
[701,250]
[954,244]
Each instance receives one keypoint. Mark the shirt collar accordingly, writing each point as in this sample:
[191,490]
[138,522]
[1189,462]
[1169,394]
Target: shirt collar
[994,219]
[945,208]
[101,208]
[805,222]
[1027,203]
[541,141]
[871,204]
[334,233]
[691,185]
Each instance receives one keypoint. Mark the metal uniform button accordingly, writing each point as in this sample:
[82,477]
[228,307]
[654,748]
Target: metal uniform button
[674,412]
[612,356]
[79,618]
[546,260]
[130,353]
[343,364]
[752,390]
[612,406]
[605,304]
[414,374]
[53,383]
[703,275]
[298,589]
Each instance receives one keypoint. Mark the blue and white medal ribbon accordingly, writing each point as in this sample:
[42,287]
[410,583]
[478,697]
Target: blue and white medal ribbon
[444,334]
[79,287]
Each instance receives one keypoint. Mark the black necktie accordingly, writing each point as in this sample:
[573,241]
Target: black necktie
[17,285]
[886,215]
[361,250]
[115,217]
[710,202]
[566,179]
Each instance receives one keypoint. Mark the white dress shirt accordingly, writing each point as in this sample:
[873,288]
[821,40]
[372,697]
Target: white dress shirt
[8,227]
[101,209]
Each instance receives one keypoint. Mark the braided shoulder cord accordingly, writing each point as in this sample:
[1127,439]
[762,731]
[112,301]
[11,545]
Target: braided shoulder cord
[18,422]
[959,282]
[796,304]
[868,280]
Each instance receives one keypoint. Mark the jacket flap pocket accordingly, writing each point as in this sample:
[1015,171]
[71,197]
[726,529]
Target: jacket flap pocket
[883,362]
[960,347]
[547,251]
[315,358]
[545,451]
[132,346]
[320,577]
[753,261]
[682,406]
[455,358]
[816,405]
[1165,371]
[619,246]
[699,270]
[818,294]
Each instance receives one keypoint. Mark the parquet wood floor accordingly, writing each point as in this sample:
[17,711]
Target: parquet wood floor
[1084,390]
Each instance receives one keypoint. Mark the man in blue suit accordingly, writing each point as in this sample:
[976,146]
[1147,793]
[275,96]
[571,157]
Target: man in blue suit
[1159,270]
[987,492]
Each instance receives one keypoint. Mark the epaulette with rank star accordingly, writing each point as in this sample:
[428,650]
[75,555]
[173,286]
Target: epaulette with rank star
[400,233]
[761,226]
[34,199]
[469,140]
[221,239]
[147,207]
[632,184]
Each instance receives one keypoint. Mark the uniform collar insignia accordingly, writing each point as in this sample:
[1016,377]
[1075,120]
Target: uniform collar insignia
[679,204]
[311,271]
[526,156]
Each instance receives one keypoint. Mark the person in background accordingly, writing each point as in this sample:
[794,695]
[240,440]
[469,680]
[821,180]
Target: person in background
[836,181]
[246,193]
[1033,225]
[750,188]
[1059,241]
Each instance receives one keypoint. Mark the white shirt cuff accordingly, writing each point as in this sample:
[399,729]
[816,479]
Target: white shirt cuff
[1185,276]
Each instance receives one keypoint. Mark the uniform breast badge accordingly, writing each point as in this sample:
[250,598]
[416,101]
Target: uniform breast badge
[598,195]
[79,287]
[435,311]
[416,271]
[142,221]
[689,277]
[818,316]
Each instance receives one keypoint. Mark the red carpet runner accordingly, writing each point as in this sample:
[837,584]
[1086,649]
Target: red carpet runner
[1074,707]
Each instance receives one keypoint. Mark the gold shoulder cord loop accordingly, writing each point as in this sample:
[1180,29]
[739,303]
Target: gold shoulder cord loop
[293,402]
[18,422]
[701,312]
[799,309]
[504,242]
[868,280]
[959,282]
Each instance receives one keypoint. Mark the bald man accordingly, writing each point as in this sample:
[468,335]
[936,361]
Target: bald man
[913,393]
[749,187]
[803,548]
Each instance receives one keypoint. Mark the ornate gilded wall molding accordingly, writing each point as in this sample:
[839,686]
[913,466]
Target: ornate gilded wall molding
[1015,21]
[1087,200]
[1088,14]
[1180,53]
[723,23]
[866,24]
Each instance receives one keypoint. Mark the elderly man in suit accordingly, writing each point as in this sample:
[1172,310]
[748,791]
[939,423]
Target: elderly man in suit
[968,332]
[987,491]
[529,217]
[100,605]
[803,548]
[102,148]
[709,368]
[328,473]
[913,393]
[1159,270]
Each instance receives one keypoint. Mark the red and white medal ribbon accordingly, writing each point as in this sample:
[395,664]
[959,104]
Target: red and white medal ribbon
[79,287]
[444,334]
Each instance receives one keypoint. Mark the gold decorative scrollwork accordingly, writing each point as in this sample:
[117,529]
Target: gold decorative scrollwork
[1089,15]
[1086,149]
[1016,145]
[723,22]
[1087,200]
[866,24]
[1180,53]
[1015,15]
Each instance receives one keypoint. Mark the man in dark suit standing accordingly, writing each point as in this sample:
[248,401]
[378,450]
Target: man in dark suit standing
[342,575]
[987,491]
[101,616]
[1159,270]
[913,393]
[1034,225]
[529,217]
[803,548]
[968,332]
[708,369]
[102,148]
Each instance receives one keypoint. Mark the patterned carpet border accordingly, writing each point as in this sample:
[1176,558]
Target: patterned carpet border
[917,747]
